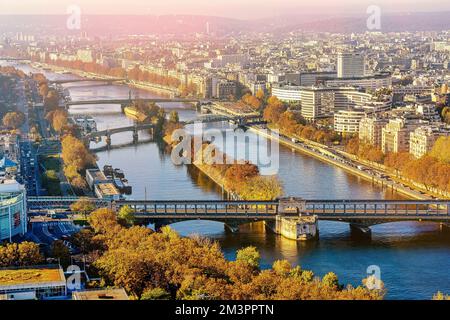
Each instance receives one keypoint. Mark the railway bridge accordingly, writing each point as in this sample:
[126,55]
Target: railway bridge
[360,214]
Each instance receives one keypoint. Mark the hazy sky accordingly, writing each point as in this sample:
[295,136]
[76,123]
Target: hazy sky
[228,8]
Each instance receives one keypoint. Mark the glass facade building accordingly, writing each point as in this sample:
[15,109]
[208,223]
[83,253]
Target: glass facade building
[13,213]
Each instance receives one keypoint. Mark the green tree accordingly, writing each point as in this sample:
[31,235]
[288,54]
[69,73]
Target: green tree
[155,294]
[249,255]
[126,214]
[331,280]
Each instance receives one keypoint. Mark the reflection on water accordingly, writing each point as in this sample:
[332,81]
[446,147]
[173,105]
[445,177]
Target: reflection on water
[414,257]
[408,253]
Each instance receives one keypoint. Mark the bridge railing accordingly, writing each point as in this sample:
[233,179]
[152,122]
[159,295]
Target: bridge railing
[325,209]
[379,208]
[186,208]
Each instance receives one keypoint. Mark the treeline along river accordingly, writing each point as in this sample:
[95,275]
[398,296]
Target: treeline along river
[414,258]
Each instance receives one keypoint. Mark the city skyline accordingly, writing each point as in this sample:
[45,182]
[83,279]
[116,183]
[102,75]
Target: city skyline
[249,10]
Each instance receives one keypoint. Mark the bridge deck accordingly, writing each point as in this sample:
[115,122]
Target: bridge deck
[261,210]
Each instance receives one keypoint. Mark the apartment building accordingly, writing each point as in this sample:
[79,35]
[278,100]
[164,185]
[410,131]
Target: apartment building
[396,134]
[370,130]
[422,139]
[347,121]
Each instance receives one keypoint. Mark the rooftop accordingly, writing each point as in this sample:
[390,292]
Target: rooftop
[101,294]
[10,277]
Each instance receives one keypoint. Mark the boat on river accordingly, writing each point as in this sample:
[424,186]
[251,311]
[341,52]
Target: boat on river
[133,113]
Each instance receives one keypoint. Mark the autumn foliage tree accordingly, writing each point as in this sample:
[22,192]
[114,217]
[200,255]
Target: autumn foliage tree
[19,255]
[58,119]
[75,153]
[14,119]
[76,158]
[273,110]
[252,101]
[151,265]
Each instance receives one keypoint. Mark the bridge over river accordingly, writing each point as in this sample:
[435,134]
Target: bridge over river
[105,79]
[361,214]
[127,101]
[207,118]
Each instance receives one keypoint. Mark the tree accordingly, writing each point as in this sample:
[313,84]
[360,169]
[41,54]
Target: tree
[252,101]
[13,120]
[260,95]
[331,280]
[282,267]
[445,114]
[173,117]
[59,120]
[236,174]
[274,109]
[352,146]
[126,214]
[51,100]
[60,251]
[84,240]
[155,294]
[75,153]
[441,149]
[83,206]
[23,254]
[250,256]
[261,188]
[103,221]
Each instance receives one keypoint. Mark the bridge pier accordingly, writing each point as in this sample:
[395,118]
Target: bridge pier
[360,230]
[233,228]
[108,140]
[444,227]
[135,136]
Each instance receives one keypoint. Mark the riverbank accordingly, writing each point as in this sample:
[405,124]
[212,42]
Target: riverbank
[151,87]
[240,181]
[308,150]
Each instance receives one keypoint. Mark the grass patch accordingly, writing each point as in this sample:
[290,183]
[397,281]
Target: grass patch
[51,182]
[51,162]
[28,276]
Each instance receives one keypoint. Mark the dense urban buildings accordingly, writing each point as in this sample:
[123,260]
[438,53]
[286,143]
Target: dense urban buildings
[304,123]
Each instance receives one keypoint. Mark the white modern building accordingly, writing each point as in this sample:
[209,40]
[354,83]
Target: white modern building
[373,82]
[347,121]
[321,101]
[13,212]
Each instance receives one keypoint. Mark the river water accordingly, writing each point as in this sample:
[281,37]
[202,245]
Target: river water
[414,258]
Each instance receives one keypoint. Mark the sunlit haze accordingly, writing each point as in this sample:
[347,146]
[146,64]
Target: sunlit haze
[229,8]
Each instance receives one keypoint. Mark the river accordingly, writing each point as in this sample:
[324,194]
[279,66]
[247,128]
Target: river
[414,258]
